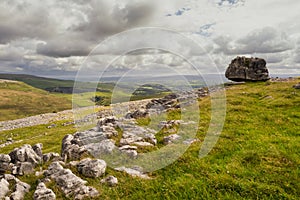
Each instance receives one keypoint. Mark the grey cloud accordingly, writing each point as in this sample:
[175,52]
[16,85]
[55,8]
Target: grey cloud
[266,40]
[21,19]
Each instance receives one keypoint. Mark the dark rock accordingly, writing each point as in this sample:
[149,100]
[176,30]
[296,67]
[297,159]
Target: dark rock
[247,69]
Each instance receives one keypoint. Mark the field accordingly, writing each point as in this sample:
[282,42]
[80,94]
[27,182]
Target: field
[19,100]
[257,155]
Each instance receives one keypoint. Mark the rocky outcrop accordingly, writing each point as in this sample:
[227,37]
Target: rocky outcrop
[43,193]
[247,69]
[70,184]
[91,168]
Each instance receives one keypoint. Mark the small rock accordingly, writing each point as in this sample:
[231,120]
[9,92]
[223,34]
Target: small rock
[43,193]
[171,139]
[51,156]
[51,126]
[110,181]
[92,168]
[135,172]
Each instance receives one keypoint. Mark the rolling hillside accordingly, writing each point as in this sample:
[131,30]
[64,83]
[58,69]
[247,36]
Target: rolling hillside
[20,100]
[256,157]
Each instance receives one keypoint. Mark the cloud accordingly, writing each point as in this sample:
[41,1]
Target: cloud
[266,40]
[54,36]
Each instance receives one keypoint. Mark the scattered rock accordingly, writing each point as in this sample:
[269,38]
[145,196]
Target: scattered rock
[140,113]
[51,157]
[247,69]
[71,151]
[4,188]
[135,172]
[51,126]
[131,151]
[91,168]
[38,149]
[19,188]
[102,148]
[70,184]
[110,181]
[171,139]
[22,168]
[4,163]
[25,154]
[43,193]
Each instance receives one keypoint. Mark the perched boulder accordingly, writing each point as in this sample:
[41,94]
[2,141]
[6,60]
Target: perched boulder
[247,69]
[42,192]
[92,168]
[110,181]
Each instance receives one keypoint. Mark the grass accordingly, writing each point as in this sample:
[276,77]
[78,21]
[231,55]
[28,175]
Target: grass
[257,155]
[19,100]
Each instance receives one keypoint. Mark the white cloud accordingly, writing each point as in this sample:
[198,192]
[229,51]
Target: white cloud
[54,36]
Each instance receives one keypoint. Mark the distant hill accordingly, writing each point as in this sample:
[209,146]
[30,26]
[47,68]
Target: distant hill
[18,100]
[55,85]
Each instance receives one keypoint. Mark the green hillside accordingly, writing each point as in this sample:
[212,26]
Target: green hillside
[38,82]
[19,100]
[257,155]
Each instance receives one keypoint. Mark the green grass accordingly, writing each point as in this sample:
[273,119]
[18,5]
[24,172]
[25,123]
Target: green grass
[19,100]
[257,155]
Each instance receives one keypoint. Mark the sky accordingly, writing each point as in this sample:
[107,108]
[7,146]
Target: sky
[56,38]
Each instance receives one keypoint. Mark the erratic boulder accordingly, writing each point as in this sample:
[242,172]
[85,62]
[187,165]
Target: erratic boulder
[247,69]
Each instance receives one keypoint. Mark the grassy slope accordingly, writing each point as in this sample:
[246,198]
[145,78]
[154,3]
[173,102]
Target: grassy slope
[38,82]
[256,157]
[20,100]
